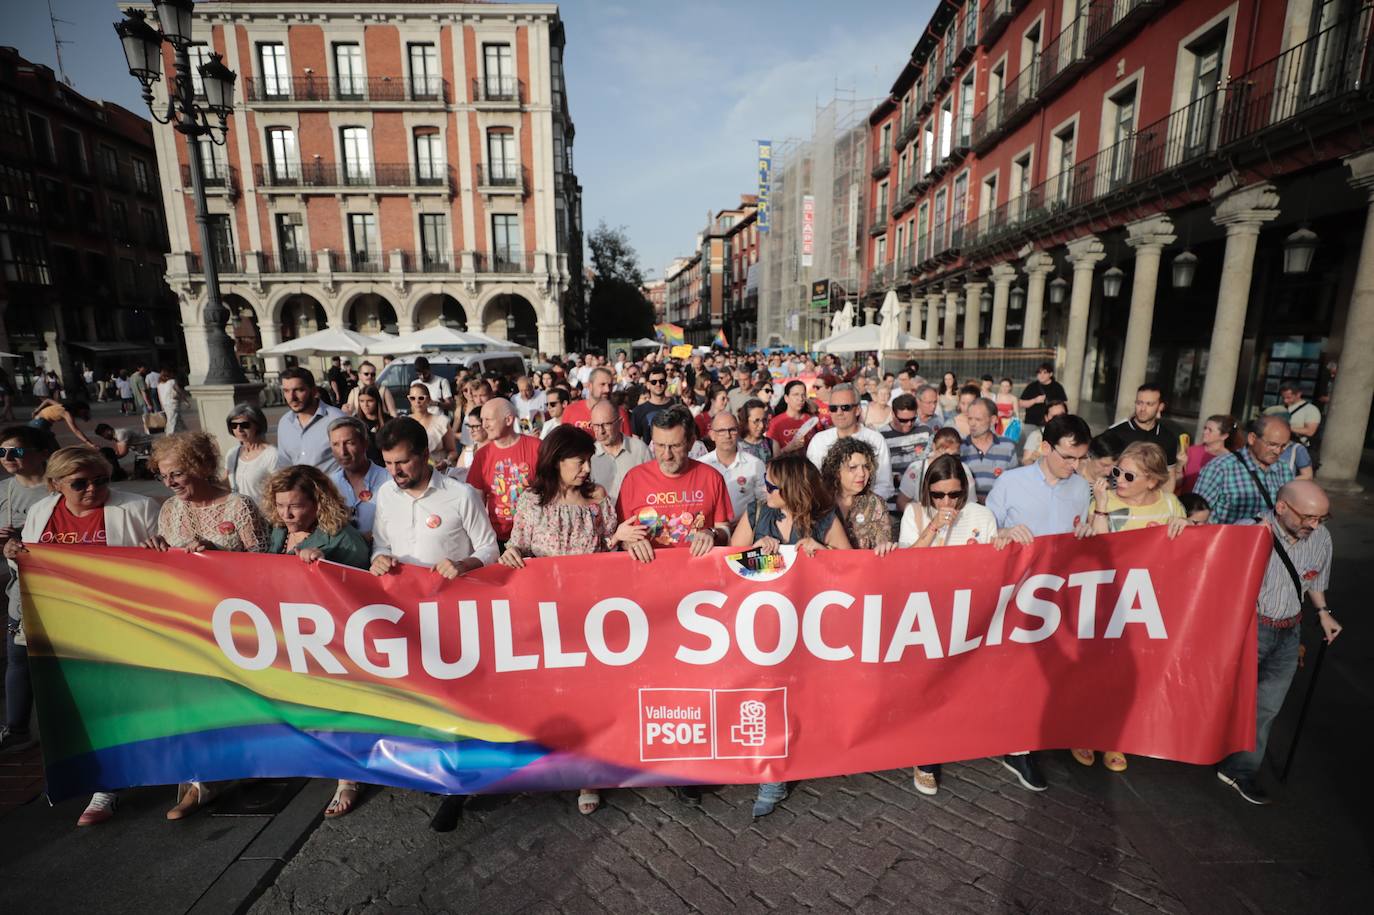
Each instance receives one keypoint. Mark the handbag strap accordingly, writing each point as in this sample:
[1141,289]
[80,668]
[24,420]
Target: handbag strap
[1288,564]
[1264,493]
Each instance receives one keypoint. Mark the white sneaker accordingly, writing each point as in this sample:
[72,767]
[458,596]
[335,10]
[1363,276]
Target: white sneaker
[100,809]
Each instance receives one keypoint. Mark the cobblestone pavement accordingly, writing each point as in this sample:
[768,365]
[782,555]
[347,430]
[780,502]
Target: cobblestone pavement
[866,843]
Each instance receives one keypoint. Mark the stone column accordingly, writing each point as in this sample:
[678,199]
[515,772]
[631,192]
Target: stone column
[1002,276]
[973,293]
[1038,267]
[1240,213]
[1084,253]
[271,365]
[1347,418]
[951,316]
[913,318]
[1148,237]
[933,300]
[550,337]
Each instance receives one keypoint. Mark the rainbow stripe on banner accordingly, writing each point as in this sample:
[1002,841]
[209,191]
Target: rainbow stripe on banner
[670,334]
[720,340]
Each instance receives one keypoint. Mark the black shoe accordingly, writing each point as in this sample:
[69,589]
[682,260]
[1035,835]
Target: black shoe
[1246,787]
[447,816]
[1026,771]
[11,740]
[688,794]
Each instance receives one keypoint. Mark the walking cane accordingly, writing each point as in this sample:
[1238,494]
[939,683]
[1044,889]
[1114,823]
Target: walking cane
[1302,714]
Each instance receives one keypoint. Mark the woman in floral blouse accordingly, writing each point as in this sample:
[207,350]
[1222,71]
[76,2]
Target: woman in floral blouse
[848,473]
[201,515]
[563,513]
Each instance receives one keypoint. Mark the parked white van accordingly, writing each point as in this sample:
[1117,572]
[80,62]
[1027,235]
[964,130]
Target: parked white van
[401,372]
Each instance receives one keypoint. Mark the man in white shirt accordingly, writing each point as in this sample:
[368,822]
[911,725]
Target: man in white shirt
[440,391]
[555,400]
[844,416]
[742,471]
[529,405]
[425,518]
[616,452]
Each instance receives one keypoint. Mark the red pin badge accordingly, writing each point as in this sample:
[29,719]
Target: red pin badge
[433,521]
[365,496]
[227,527]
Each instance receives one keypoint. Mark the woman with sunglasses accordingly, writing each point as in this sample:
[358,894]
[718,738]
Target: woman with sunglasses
[84,510]
[797,510]
[1130,498]
[847,472]
[201,515]
[443,448]
[753,424]
[249,463]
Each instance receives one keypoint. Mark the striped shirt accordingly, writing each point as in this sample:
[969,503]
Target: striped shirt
[904,448]
[1311,558]
[1230,491]
[988,465]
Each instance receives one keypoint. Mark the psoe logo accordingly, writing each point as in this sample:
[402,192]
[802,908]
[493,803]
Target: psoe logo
[751,723]
[752,730]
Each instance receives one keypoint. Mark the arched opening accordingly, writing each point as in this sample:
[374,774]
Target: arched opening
[247,337]
[370,314]
[301,314]
[440,308]
[511,317]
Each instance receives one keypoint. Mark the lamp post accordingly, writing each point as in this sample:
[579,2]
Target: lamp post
[224,383]
[143,50]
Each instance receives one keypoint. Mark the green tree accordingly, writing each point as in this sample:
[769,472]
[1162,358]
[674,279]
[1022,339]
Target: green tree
[618,307]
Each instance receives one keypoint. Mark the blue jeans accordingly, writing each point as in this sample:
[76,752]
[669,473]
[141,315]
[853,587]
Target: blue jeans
[18,688]
[1278,661]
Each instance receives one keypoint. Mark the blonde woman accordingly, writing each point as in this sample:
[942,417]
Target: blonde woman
[879,410]
[309,519]
[442,446]
[84,510]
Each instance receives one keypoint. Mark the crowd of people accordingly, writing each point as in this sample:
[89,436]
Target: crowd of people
[760,452]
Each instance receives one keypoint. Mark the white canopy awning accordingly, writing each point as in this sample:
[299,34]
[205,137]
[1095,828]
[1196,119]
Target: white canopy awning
[438,337]
[868,338]
[327,342]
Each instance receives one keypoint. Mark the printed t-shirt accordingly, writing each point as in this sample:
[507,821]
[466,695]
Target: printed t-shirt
[1123,517]
[579,413]
[65,527]
[782,428]
[672,508]
[500,475]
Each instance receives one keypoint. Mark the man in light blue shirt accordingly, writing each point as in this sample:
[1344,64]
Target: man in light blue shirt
[303,434]
[358,480]
[1049,496]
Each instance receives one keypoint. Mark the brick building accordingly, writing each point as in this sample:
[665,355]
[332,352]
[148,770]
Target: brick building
[710,291]
[82,240]
[1167,190]
[388,166]
[656,291]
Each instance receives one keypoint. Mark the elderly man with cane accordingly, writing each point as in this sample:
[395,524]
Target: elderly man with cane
[1300,565]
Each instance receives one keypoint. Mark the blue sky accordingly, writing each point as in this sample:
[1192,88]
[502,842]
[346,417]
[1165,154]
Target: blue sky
[668,97]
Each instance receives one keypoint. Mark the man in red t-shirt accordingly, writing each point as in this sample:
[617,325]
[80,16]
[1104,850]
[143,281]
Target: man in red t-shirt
[579,412]
[677,501]
[504,466]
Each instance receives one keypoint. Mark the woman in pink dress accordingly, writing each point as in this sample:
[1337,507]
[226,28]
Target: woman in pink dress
[1220,434]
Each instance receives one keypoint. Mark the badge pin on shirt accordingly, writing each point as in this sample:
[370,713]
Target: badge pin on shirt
[433,521]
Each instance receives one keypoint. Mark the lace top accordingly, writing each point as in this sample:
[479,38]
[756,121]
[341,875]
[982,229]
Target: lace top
[561,530]
[867,524]
[233,524]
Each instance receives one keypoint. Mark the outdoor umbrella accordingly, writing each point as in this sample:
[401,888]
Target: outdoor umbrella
[437,337]
[327,342]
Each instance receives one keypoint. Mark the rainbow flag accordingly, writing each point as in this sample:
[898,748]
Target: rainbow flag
[670,334]
[720,340]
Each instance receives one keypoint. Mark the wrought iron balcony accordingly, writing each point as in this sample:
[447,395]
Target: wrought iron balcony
[297,89]
[883,164]
[287,262]
[430,262]
[334,175]
[1062,57]
[993,20]
[498,90]
[879,223]
[509,178]
[224,180]
[1111,21]
[503,262]
[365,262]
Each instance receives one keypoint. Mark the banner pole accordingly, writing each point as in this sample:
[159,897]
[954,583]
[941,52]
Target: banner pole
[1302,714]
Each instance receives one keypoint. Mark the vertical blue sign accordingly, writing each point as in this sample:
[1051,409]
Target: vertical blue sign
[765,176]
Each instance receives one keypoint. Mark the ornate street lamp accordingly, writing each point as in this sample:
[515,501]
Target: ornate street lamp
[1111,282]
[1059,289]
[985,302]
[1184,268]
[1018,298]
[143,51]
[1299,249]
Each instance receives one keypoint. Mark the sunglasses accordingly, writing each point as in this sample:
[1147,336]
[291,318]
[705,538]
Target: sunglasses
[658,381]
[1118,474]
[843,407]
[770,485]
[555,403]
[473,427]
[81,484]
[904,420]
[953,495]
[240,425]
[15,453]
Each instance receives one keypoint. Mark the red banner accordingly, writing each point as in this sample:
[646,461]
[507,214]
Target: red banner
[600,670]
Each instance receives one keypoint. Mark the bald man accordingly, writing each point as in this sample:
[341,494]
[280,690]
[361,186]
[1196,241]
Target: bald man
[616,452]
[597,388]
[503,467]
[1298,525]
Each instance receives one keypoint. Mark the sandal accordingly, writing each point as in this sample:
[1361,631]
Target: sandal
[587,801]
[191,796]
[345,796]
[1084,757]
[1114,760]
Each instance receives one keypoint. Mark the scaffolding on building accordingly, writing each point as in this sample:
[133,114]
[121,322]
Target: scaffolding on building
[831,167]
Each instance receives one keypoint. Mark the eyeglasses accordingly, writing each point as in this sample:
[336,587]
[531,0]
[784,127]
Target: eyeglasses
[606,427]
[1273,446]
[81,484]
[15,453]
[176,476]
[1068,458]
[1311,519]
[904,420]
[843,407]
[473,427]
[953,495]
[770,485]
[1118,473]
[240,425]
